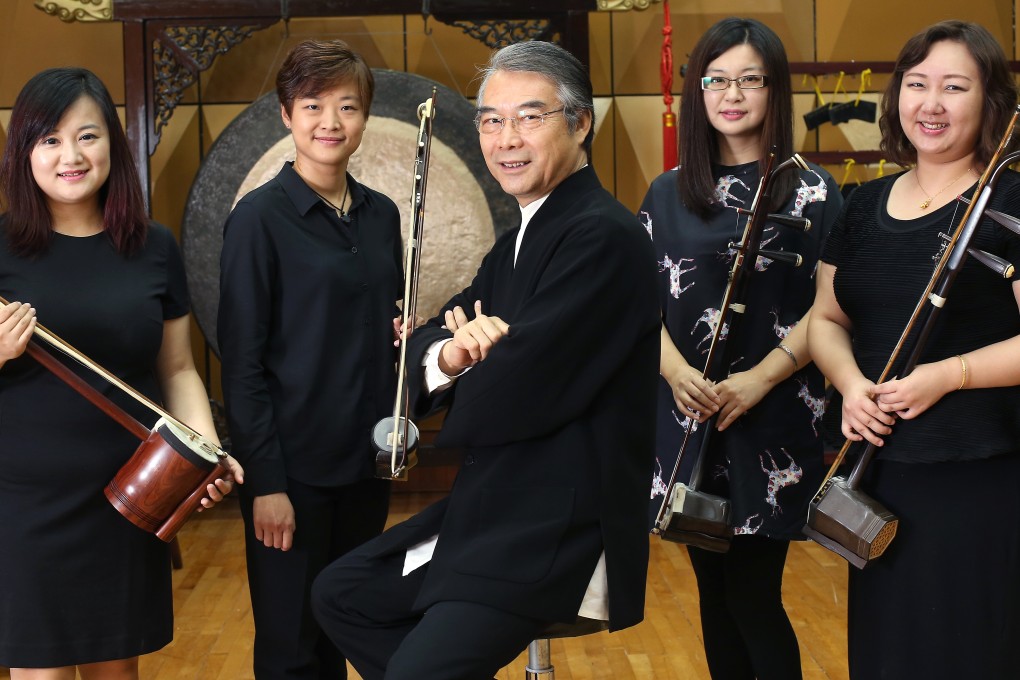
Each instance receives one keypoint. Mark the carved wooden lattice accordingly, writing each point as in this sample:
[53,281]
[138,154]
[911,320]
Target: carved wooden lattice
[78,10]
[499,33]
[624,5]
[179,54]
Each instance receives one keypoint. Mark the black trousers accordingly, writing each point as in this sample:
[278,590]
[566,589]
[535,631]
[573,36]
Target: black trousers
[289,645]
[366,607]
[746,630]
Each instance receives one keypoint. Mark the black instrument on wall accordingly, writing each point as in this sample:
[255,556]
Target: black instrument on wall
[396,437]
[688,515]
[841,517]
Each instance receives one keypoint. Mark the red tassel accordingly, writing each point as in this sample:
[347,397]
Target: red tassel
[669,137]
[669,148]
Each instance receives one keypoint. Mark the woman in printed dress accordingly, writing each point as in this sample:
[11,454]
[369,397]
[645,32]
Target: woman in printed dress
[766,453]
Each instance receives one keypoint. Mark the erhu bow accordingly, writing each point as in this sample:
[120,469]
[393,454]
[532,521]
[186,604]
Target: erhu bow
[395,437]
[688,515]
[841,517]
[164,481]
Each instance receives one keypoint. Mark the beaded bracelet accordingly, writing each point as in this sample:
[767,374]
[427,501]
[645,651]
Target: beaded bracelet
[963,368]
[793,357]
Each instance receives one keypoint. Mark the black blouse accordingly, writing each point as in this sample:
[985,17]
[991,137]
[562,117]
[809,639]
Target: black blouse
[882,268]
[109,306]
[305,331]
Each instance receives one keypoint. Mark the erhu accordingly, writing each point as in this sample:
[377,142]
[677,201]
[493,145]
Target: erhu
[164,481]
[395,437]
[841,517]
[688,515]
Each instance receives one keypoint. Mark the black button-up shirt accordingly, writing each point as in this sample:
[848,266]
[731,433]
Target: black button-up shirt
[305,331]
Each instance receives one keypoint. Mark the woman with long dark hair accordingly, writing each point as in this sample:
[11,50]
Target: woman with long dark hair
[766,452]
[943,601]
[83,587]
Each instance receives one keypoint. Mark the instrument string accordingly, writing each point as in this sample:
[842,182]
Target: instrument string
[64,347]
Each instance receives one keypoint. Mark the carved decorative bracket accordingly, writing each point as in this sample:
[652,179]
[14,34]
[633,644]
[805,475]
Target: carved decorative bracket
[625,5]
[500,33]
[78,10]
[179,54]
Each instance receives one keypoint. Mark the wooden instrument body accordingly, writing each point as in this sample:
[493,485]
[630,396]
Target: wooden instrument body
[164,481]
[699,519]
[850,523]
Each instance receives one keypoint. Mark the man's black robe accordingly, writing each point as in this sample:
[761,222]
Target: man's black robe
[557,423]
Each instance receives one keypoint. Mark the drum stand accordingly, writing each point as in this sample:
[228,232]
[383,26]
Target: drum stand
[539,657]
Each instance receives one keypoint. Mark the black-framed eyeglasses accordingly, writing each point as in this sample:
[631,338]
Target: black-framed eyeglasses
[525,121]
[748,82]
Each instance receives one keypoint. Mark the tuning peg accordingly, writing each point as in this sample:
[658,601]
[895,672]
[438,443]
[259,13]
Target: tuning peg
[799,223]
[1008,221]
[1001,218]
[783,256]
[993,262]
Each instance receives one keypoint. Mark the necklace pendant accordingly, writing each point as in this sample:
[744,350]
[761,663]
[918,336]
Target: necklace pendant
[927,202]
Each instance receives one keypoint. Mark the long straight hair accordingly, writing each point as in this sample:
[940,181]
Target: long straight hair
[699,147]
[37,111]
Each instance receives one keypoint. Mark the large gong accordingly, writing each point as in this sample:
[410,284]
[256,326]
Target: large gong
[465,209]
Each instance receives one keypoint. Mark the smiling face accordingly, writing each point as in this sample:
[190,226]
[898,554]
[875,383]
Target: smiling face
[531,164]
[737,115]
[941,101]
[327,128]
[71,163]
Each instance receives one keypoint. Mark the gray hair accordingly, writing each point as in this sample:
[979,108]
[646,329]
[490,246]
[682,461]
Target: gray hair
[573,87]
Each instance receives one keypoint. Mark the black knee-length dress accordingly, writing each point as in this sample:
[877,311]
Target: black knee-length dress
[78,582]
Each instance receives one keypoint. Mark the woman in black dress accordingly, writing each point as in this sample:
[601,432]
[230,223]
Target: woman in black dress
[82,586]
[310,274]
[766,456]
[943,601]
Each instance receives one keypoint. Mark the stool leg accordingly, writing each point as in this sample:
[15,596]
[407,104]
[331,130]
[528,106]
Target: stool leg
[175,554]
[539,661]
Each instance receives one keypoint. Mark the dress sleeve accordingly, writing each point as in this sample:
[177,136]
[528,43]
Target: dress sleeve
[835,241]
[176,301]
[247,270]
[831,208]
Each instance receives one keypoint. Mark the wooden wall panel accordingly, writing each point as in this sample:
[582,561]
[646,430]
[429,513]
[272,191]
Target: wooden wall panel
[31,41]
[877,29]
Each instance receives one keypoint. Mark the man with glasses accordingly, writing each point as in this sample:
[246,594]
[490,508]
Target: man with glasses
[548,365]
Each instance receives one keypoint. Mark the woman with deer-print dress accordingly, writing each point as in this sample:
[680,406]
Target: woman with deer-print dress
[766,455]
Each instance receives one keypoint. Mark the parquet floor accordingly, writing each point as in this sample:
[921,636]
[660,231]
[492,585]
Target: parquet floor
[214,628]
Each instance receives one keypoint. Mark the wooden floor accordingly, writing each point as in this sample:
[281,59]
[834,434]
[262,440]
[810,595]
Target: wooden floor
[213,636]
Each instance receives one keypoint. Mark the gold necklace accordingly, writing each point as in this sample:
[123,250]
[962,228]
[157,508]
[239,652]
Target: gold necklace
[931,197]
